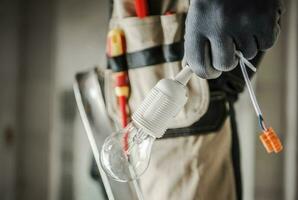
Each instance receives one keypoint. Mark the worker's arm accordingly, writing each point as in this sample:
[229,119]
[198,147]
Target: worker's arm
[216,28]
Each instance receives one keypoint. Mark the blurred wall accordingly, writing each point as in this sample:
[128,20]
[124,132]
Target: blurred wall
[9,55]
[246,127]
[271,94]
[291,109]
[35,104]
[80,45]
[43,44]
[277,93]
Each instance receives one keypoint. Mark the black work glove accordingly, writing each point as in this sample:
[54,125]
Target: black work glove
[216,28]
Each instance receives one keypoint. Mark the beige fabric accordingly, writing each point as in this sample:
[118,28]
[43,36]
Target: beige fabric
[149,32]
[126,8]
[142,80]
[191,168]
[123,8]
[184,168]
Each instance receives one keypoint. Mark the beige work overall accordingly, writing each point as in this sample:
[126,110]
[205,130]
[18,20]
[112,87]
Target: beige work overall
[181,168]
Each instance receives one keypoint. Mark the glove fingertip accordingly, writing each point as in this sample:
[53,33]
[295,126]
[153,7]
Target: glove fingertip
[227,65]
[204,71]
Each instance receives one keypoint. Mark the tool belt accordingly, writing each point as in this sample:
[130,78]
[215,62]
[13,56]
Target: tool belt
[154,50]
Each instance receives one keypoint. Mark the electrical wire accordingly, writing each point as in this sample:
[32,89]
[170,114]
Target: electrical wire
[243,61]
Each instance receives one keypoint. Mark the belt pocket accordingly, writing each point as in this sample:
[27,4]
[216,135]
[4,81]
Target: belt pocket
[153,53]
[212,121]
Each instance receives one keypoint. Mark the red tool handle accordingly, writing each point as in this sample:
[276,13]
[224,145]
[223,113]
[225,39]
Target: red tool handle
[123,112]
[141,7]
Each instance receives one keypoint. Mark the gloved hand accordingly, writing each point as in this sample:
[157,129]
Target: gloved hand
[216,28]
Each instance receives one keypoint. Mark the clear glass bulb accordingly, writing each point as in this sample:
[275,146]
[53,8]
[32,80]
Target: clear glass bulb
[125,155]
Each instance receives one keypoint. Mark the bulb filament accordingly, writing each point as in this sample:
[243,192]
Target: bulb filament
[137,138]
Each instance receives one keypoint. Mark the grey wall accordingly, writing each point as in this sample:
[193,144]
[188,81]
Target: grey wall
[9,21]
[43,44]
[80,45]
[246,127]
[270,89]
[35,106]
[291,109]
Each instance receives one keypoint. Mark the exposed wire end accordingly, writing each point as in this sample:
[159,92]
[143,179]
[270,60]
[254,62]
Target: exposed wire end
[243,63]
[262,123]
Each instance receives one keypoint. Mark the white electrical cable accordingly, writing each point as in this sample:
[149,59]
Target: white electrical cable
[186,73]
[243,61]
[247,81]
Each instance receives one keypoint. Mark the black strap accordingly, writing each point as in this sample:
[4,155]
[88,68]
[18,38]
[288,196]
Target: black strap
[117,63]
[212,120]
[235,151]
[147,57]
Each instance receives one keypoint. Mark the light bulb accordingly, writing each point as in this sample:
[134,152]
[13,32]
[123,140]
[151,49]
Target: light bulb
[125,155]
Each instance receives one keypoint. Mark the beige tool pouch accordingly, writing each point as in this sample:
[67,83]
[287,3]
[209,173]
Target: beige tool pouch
[152,44]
